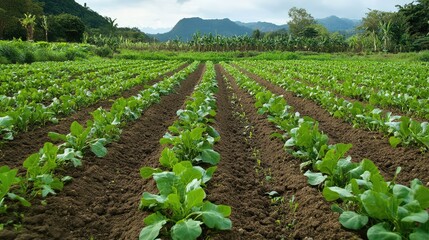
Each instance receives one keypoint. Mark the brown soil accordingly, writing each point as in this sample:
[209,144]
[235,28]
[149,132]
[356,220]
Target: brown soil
[13,153]
[102,200]
[241,183]
[366,144]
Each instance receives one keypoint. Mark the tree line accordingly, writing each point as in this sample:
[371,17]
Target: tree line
[401,31]
[46,21]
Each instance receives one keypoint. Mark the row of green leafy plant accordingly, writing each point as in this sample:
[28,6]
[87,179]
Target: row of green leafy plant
[41,177]
[401,129]
[180,207]
[43,75]
[38,105]
[399,85]
[363,198]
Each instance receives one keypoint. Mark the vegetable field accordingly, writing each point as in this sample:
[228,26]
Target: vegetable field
[250,149]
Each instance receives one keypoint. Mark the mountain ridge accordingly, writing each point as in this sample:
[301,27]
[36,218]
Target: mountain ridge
[186,27]
[184,32]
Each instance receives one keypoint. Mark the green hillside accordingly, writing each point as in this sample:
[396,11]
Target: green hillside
[91,18]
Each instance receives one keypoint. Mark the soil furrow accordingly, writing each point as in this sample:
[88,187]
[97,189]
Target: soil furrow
[253,166]
[102,200]
[13,153]
[366,144]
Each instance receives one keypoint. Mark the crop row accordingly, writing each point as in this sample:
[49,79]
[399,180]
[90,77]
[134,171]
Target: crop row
[361,195]
[402,129]
[180,207]
[41,76]
[407,91]
[19,112]
[41,178]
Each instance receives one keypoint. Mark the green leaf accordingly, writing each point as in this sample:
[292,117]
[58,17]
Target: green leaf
[57,136]
[214,216]
[377,205]
[334,193]
[352,220]
[76,129]
[329,162]
[155,222]
[147,172]
[174,206]
[380,232]
[422,195]
[98,148]
[208,174]
[197,133]
[6,122]
[148,199]
[212,132]
[314,178]
[194,198]
[165,182]
[168,158]
[421,217]
[210,156]
[22,200]
[186,230]
[421,233]
[336,208]
[394,141]
[403,193]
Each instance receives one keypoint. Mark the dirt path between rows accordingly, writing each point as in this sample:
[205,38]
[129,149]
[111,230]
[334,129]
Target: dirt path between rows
[371,145]
[102,200]
[243,183]
[14,153]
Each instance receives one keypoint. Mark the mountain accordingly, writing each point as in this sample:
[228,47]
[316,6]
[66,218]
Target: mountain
[88,16]
[332,23]
[263,26]
[187,27]
[336,24]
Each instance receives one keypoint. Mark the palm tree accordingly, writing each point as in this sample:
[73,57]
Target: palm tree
[28,22]
[112,25]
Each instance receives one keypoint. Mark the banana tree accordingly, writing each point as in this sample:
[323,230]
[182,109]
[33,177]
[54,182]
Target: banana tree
[28,22]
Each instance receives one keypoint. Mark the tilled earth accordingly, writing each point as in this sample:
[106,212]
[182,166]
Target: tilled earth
[102,200]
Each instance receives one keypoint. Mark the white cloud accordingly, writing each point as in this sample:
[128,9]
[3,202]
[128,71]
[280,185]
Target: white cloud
[166,13]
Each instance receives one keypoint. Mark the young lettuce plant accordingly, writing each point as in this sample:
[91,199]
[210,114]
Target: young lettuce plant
[394,211]
[9,180]
[77,141]
[168,160]
[40,171]
[6,128]
[180,207]
[194,145]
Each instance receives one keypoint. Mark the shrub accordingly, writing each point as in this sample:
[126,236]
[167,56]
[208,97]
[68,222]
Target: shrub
[11,53]
[104,51]
[424,56]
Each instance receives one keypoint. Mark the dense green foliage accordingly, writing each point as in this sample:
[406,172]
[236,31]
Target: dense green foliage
[89,17]
[26,52]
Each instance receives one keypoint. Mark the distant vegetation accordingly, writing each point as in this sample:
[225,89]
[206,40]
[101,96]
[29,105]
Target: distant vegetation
[25,52]
[389,32]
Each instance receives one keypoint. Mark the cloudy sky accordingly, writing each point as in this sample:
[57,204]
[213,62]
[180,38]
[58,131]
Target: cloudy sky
[161,15]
